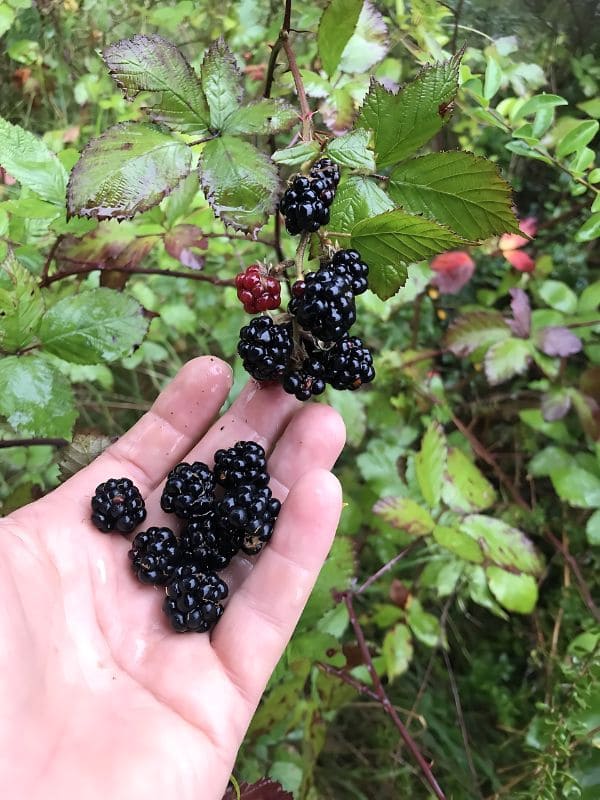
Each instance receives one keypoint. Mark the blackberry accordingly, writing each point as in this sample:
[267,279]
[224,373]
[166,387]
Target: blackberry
[257,290]
[308,379]
[349,364]
[193,599]
[205,546]
[265,348]
[249,512]
[349,264]
[326,307]
[245,462]
[154,555]
[189,490]
[305,204]
[117,505]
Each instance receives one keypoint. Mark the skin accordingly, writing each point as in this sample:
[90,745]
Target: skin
[98,696]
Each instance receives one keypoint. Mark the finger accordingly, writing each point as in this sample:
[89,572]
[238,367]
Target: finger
[263,613]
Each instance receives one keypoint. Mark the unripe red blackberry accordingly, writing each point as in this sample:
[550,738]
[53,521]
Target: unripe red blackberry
[257,290]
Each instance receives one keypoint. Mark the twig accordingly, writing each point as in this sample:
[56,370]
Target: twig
[306,113]
[85,268]
[204,139]
[386,568]
[457,13]
[359,686]
[50,256]
[32,442]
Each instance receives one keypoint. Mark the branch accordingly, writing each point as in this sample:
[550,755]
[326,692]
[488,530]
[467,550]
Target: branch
[386,567]
[85,268]
[306,113]
[50,256]
[32,442]
[285,29]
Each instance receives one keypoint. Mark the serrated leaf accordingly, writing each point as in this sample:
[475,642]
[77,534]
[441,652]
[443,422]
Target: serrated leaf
[369,42]
[84,448]
[465,488]
[404,122]
[298,154]
[405,514]
[357,198]
[21,305]
[240,183]
[460,190]
[264,789]
[35,397]
[576,486]
[390,240]
[507,358]
[503,545]
[27,159]
[425,626]
[129,168]
[352,150]
[154,64]
[221,82]
[111,245]
[397,650]
[260,117]
[430,464]
[457,542]
[475,330]
[517,593]
[338,23]
[93,327]
[183,243]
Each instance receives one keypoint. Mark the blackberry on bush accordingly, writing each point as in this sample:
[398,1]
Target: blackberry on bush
[189,490]
[117,505]
[245,462]
[305,205]
[193,599]
[349,364]
[309,378]
[257,291]
[265,348]
[326,307]
[249,512]
[154,555]
[205,546]
[349,264]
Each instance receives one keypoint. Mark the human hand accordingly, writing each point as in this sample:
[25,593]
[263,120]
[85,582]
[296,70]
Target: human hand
[99,697]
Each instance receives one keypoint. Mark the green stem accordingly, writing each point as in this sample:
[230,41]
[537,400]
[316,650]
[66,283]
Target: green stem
[299,259]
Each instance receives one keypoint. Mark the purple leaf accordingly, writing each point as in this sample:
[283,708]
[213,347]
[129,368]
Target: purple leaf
[555,406]
[558,341]
[180,241]
[521,322]
[264,789]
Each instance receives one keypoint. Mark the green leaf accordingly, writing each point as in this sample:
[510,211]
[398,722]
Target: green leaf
[576,486]
[459,543]
[397,650]
[592,529]
[507,358]
[502,544]
[493,78]
[338,23]
[156,65]
[93,327]
[368,44]
[21,305]
[405,514]
[577,137]
[351,150]
[35,397]
[460,190]
[222,83]
[7,17]
[430,464]
[240,183]
[335,575]
[537,103]
[465,488]
[298,154]
[589,230]
[517,593]
[559,296]
[129,168]
[476,330]
[27,159]
[404,122]
[357,198]
[390,240]
[260,117]
[424,625]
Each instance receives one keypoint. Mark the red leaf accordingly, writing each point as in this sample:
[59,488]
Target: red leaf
[512,241]
[520,260]
[453,269]
[264,789]
[180,241]
[521,322]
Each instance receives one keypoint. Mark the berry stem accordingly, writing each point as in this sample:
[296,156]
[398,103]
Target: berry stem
[299,259]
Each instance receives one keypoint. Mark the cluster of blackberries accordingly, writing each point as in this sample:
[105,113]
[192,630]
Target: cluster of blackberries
[312,347]
[305,205]
[225,510]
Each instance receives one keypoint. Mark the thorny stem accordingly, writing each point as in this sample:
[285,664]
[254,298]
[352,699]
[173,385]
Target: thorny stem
[32,442]
[85,268]
[299,259]
[306,113]
[50,256]
[386,567]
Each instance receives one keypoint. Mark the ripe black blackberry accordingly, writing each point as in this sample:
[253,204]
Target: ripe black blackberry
[349,364]
[305,204]
[265,348]
[154,555]
[193,599]
[249,512]
[349,264]
[189,490]
[326,308]
[117,505]
[245,462]
[309,378]
[205,546]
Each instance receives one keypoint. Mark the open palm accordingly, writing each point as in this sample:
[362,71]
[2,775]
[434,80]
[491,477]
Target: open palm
[99,697]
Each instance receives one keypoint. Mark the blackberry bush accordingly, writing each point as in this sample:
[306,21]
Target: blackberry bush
[189,490]
[117,505]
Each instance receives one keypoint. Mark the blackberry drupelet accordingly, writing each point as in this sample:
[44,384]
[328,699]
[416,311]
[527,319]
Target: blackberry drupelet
[117,505]
[154,555]
[189,490]
[349,364]
[305,204]
[245,462]
[250,512]
[265,348]
[326,308]
[349,264]
[193,599]
[257,290]
[205,546]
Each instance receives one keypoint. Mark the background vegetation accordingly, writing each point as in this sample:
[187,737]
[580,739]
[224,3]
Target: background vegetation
[466,565]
